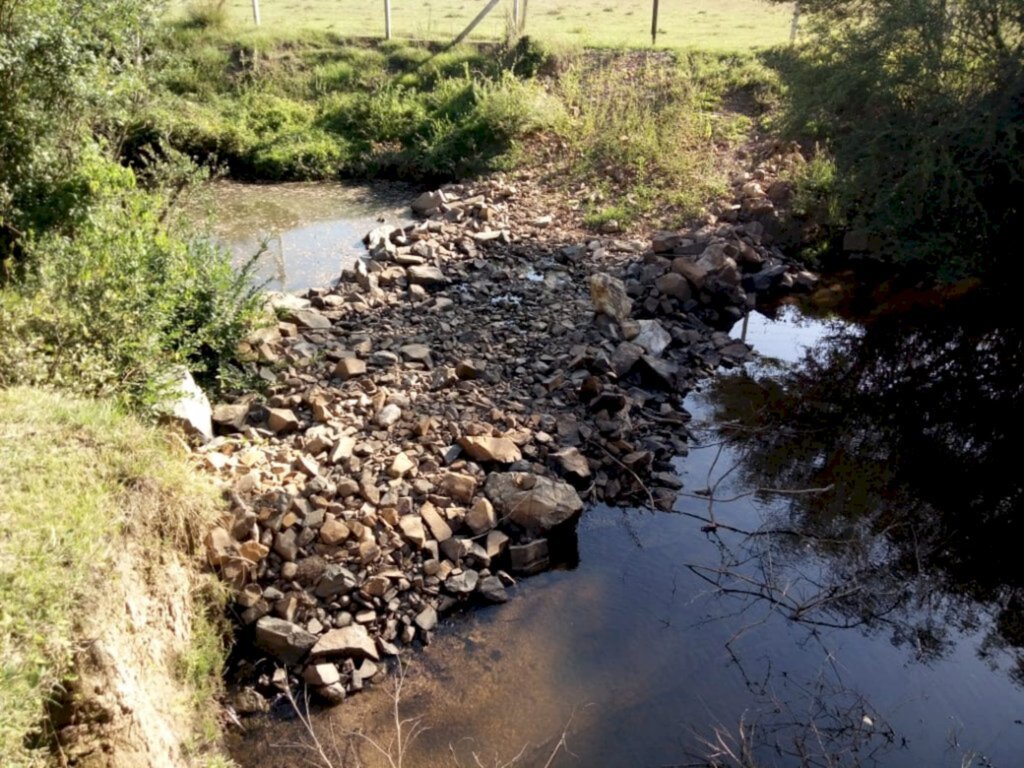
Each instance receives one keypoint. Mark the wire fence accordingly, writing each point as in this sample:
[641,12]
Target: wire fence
[708,24]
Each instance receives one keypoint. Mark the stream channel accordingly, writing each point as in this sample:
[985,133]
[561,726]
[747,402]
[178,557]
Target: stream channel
[871,614]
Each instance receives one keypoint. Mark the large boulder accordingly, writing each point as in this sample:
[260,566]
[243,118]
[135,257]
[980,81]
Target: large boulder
[352,642]
[532,501]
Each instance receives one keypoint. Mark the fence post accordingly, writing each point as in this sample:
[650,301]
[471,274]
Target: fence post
[256,11]
[522,20]
[796,22]
[387,19]
[654,25]
[474,23]
[515,15]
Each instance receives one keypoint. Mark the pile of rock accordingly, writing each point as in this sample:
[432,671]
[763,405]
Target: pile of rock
[464,390]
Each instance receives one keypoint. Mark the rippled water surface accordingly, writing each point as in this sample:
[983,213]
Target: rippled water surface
[870,615]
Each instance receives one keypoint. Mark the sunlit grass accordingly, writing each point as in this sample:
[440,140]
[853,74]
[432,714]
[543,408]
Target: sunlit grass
[705,24]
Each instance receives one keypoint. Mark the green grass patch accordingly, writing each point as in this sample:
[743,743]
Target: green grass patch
[317,107]
[721,25]
[78,478]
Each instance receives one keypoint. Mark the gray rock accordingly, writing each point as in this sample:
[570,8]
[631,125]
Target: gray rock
[388,415]
[652,337]
[427,276]
[463,583]
[532,501]
[336,580]
[492,589]
[529,558]
[352,642]
[426,619]
[287,642]
[308,318]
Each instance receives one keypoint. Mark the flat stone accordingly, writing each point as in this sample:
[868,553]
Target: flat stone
[308,318]
[401,466]
[427,276]
[352,642]
[439,529]
[417,353]
[498,449]
[652,337]
[529,558]
[532,501]
[287,642]
[626,355]
[571,462]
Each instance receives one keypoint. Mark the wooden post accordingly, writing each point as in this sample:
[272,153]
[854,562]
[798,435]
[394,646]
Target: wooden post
[256,11]
[387,19]
[515,16]
[654,25]
[522,20]
[796,23]
[475,22]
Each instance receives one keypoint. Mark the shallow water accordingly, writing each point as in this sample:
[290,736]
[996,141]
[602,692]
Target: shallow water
[869,624]
[311,231]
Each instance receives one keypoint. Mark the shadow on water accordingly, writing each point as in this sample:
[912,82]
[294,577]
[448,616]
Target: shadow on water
[839,584]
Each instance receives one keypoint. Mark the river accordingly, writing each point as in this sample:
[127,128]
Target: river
[838,585]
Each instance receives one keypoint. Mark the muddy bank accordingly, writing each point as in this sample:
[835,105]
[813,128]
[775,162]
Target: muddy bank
[467,388]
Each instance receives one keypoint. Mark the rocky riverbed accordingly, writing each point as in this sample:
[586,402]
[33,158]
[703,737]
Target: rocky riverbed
[473,383]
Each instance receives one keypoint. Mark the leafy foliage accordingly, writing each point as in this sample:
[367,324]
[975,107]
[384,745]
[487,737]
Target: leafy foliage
[921,102]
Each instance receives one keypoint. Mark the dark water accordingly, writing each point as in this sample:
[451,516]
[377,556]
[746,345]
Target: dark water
[879,622]
[311,231]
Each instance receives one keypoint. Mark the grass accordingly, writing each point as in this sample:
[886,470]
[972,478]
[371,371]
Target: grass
[720,25]
[78,479]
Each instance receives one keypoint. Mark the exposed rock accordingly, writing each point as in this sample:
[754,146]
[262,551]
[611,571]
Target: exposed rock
[498,449]
[492,589]
[352,642]
[287,642]
[427,276]
[187,405]
[350,367]
[532,501]
[282,420]
[609,297]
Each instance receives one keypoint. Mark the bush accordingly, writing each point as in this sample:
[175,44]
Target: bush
[108,310]
[921,105]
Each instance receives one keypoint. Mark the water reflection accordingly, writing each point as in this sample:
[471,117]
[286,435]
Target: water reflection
[311,231]
[768,622]
[911,421]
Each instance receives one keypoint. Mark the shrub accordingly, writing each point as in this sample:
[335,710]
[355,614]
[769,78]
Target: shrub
[108,310]
[921,106]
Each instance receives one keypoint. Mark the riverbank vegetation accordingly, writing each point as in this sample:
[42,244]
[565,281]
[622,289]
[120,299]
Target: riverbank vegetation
[918,111]
[99,512]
